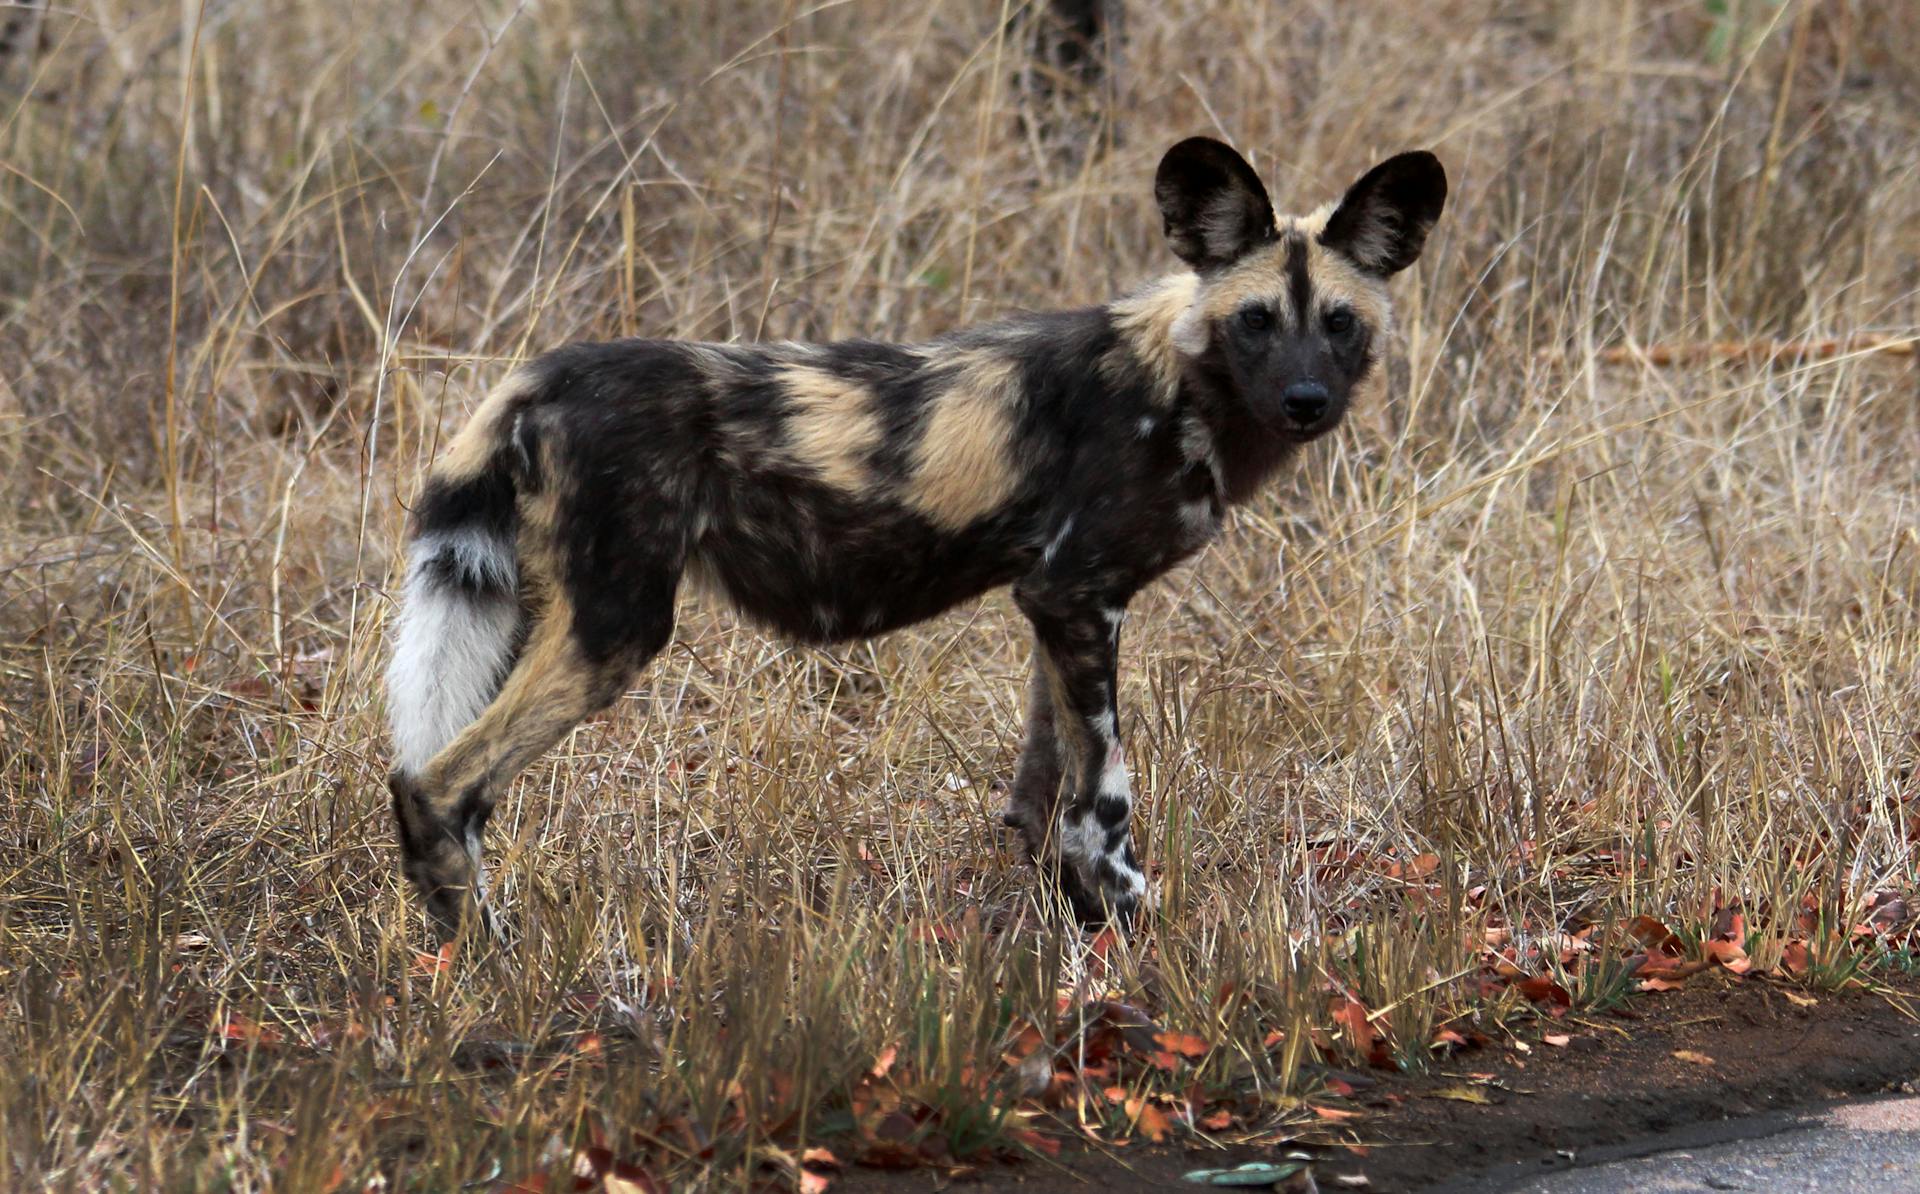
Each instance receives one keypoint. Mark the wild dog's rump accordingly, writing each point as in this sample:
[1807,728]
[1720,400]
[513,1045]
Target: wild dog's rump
[460,608]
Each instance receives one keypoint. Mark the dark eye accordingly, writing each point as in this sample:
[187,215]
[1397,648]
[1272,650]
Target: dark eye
[1339,321]
[1256,319]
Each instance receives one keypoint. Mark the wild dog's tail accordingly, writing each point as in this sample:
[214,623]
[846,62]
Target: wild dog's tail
[460,615]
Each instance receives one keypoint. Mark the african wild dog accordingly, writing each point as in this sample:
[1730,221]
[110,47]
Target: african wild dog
[842,490]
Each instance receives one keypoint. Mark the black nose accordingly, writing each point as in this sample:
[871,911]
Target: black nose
[1305,402]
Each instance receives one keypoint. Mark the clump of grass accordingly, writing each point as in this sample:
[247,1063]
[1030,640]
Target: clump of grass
[1600,639]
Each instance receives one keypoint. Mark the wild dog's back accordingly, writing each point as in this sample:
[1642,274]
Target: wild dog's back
[844,489]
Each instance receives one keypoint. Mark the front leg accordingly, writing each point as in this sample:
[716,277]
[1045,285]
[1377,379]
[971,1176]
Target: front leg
[1089,837]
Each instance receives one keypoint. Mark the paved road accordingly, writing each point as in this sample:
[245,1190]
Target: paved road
[1867,1147]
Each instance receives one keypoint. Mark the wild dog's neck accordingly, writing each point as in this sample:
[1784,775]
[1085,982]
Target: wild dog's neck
[1156,324]
[1248,452]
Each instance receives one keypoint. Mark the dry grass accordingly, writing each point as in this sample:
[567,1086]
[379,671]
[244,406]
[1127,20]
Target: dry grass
[1606,639]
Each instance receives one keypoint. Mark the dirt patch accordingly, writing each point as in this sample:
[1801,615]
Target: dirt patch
[1719,1049]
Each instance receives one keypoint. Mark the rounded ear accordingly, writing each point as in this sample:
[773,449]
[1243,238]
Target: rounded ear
[1383,220]
[1214,206]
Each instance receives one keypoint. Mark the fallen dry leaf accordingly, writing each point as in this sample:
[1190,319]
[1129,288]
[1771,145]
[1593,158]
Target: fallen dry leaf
[427,965]
[1351,1015]
[1675,971]
[1692,1057]
[631,1179]
[928,932]
[1796,958]
[1654,935]
[238,1027]
[1462,1094]
[1418,867]
[1035,1141]
[1185,1044]
[1798,1000]
[1558,1040]
[1729,955]
[1149,1119]
[1103,943]
[1542,989]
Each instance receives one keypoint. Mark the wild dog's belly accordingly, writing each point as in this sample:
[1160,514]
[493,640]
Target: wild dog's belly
[821,571]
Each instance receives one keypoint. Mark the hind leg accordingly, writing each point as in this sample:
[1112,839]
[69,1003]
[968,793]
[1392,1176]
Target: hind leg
[1034,799]
[556,684]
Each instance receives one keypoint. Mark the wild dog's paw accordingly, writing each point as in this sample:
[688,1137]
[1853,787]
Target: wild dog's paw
[441,863]
[1112,894]
[1122,886]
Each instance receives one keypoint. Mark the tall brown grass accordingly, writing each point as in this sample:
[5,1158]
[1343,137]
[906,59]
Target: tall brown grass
[1606,639]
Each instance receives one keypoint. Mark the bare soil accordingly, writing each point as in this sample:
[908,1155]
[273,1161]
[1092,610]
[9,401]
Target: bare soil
[1721,1049]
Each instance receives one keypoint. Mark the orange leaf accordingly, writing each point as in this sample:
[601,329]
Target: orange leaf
[427,965]
[1422,866]
[631,1179]
[1351,1015]
[884,1063]
[1332,1113]
[1796,957]
[1729,955]
[1150,1119]
[1558,1040]
[238,1027]
[813,1183]
[1025,1043]
[1218,1121]
[1676,972]
[1185,1044]
[1652,934]
[1103,943]
[1035,1141]
[1541,989]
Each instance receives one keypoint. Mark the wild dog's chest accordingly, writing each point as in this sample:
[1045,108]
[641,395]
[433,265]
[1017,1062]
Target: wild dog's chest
[1128,516]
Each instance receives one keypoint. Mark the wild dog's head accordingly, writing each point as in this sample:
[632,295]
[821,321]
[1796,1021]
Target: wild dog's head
[1291,314]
